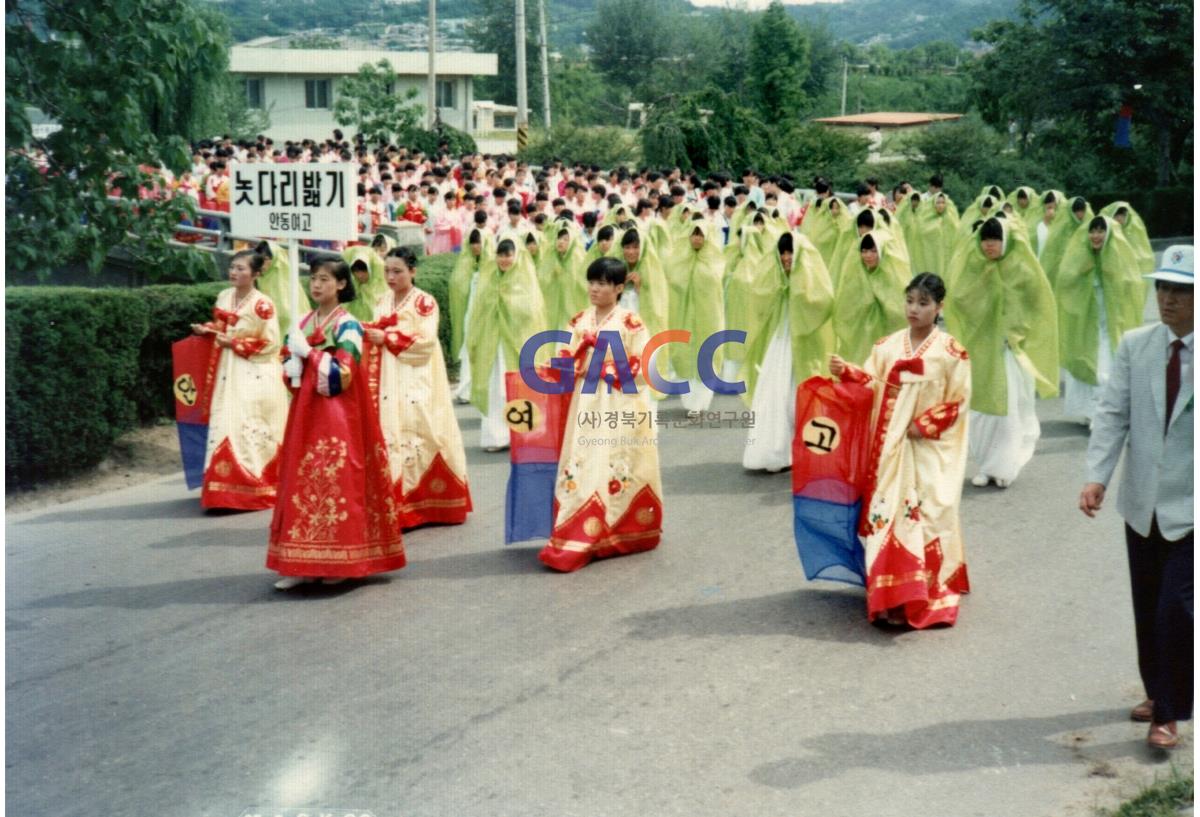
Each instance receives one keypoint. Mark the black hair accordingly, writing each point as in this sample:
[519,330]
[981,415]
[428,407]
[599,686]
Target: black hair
[867,243]
[866,218]
[821,186]
[514,207]
[991,230]
[862,190]
[405,254]
[730,201]
[994,191]
[589,219]
[1098,223]
[1121,211]
[506,247]
[786,244]
[340,271]
[936,180]
[886,216]
[915,198]
[605,233]
[987,202]
[475,237]
[480,217]
[713,202]
[1078,204]
[928,283]
[607,270]
[1022,194]
[631,238]
[257,260]
[1049,198]
[264,249]
[563,231]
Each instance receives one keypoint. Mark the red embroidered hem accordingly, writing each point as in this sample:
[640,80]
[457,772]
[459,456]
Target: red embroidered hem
[228,485]
[585,535]
[441,497]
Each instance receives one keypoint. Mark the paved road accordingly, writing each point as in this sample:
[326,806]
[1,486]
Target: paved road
[152,669]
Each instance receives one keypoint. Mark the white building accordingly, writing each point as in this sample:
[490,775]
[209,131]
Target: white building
[297,87]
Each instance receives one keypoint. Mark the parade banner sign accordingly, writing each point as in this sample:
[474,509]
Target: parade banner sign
[316,201]
[536,422]
[194,362]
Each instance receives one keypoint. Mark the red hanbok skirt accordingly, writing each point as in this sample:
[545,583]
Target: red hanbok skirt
[336,515]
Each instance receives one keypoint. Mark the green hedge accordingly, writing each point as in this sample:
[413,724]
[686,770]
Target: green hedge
[72,383]
[87,365]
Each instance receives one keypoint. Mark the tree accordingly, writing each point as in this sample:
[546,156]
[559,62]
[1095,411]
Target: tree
[127,81]
[492,28]
[627,37]
[779,65]
[368,103]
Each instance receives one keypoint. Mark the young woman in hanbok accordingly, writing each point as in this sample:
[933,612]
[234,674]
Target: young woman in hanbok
[1002,310]
[934,235]
[831,230]
[608,492]
[984,205]
[921,377]
[646,290]
[1101,295]
[507,310]
[1135,232]
[1053,211]
[366,266]
[784,308]
[249,402]
[464,279]
[337,516]
[561,273]
[407,375]
[1026,207]
[1059,236]
[867,301]
[697,304]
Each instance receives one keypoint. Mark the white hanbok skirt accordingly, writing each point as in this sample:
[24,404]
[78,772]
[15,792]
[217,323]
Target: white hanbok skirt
[1003,445]
[493,431]
[769,442]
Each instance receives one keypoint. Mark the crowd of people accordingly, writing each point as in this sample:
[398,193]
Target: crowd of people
[957,320]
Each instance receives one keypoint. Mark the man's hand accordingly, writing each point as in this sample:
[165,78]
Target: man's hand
[1091,498]
[374,336]
[836,365]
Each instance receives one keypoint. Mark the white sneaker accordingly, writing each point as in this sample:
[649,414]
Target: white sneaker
[980,480]
[288,582]
[333,580]
[1003,483]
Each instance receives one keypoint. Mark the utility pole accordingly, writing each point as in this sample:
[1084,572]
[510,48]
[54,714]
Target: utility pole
[545,63]
[845,76]
[522,90]
[431,115]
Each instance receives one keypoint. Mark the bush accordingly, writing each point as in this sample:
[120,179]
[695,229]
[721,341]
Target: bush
[427,141]
[606,147]
[73,380]
[172,310]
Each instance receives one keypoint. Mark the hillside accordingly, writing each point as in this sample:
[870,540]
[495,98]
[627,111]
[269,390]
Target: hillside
[896,24]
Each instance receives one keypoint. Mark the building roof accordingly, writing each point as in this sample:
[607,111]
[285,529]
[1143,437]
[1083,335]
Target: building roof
[888,119]
[245,59]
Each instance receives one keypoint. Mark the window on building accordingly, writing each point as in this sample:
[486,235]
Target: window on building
[316,93]
[254,93]
[505,121]
[445,93]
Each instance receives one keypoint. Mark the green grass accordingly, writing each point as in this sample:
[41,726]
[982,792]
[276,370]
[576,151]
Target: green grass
[1163,798]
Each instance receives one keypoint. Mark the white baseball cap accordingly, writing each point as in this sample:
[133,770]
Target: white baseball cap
[1177,265]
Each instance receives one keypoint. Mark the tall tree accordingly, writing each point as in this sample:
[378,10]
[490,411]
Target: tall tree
[126,80]
[492,29]
[779,65]
[627,37]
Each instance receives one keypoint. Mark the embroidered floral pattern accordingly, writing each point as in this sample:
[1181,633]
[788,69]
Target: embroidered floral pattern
[878,522]
[383,516]
[320,504]
[264,309]
[567,480]
[912,512]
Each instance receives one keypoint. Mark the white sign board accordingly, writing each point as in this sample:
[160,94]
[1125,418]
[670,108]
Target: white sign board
[318,201]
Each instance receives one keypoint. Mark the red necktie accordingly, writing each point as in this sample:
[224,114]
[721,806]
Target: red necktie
[1173,377]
